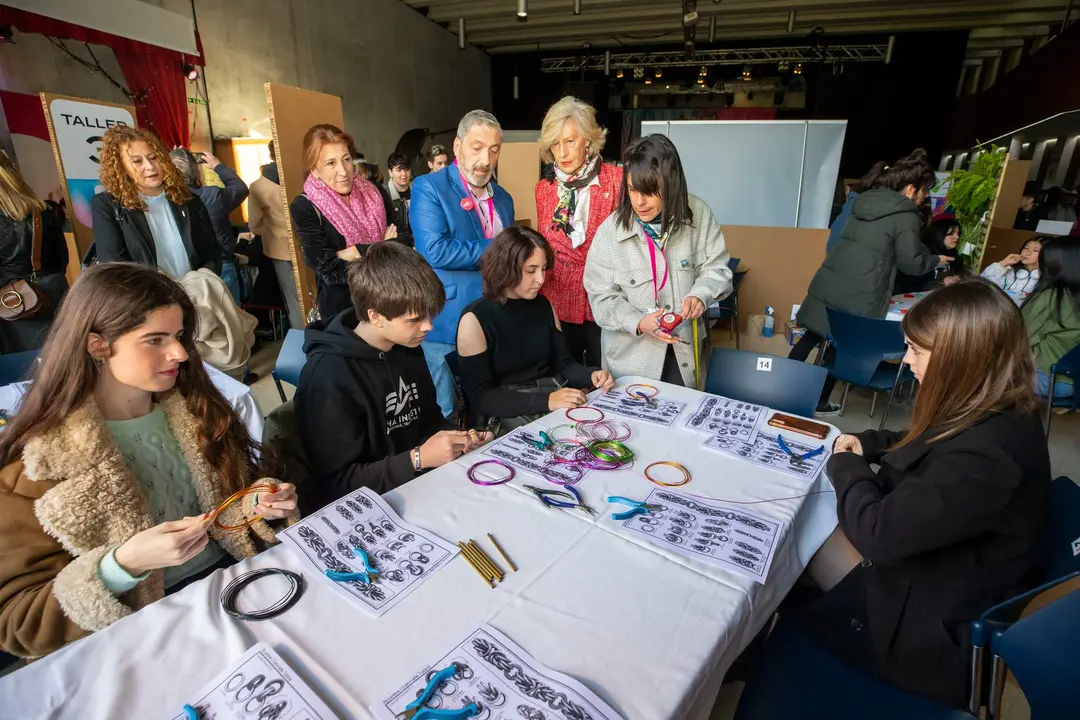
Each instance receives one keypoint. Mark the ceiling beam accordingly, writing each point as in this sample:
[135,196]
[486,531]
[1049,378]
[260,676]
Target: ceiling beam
[606,31]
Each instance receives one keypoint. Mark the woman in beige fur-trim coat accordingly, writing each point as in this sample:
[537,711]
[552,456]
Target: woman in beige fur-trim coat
[115,463]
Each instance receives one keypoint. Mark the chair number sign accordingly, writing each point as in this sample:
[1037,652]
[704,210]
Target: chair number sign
[1076,547]
[764,364]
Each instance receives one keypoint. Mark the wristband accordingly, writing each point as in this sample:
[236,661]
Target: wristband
[417,467]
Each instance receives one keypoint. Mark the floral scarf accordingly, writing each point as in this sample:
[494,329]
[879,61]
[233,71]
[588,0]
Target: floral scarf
[361,219]
[567,186]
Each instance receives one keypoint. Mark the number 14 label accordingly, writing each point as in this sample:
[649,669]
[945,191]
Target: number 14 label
[764,364]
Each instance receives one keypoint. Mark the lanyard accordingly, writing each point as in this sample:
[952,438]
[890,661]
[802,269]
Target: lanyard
[489,226]
[652,259]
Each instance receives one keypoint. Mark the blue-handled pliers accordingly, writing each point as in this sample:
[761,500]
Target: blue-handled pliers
[636,508]
[416,710]
[364,578]
[550,498]
[797,457]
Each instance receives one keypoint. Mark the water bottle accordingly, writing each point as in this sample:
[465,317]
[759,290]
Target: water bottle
[766,330]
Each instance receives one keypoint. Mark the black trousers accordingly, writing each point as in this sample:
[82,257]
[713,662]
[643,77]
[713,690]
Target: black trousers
[583,340]
[670,372]
[801,351]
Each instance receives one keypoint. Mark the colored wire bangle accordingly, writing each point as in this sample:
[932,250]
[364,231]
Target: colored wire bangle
[641,396]
[669,463]
[547,470]
[232,590]
[584,407]
[611,451]
[509,468]
[251,489]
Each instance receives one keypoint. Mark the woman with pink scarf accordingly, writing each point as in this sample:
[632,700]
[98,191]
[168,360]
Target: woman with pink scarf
[338,215]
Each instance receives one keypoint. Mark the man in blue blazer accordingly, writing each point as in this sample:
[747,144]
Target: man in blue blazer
[455,213]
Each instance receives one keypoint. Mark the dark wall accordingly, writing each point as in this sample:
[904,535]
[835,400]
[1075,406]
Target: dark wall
[891,109]
[1042,85]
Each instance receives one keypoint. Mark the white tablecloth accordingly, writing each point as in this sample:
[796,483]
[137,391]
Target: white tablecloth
[237,393]
[651,632]
[899,305]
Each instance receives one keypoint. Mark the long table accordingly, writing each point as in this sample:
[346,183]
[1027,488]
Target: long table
[650,631]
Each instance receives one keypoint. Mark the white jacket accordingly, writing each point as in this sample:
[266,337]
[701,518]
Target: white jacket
[619,281]
[226,333]
[1011,280]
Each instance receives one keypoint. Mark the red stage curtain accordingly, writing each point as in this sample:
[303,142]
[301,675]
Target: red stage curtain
[154,75]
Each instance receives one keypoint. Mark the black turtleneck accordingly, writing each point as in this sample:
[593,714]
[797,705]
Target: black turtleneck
[523,344]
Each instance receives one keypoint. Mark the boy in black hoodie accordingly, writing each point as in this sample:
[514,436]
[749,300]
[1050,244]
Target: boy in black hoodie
[366,407]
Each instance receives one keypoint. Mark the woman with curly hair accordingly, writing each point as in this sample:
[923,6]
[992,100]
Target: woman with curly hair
[115,466]
[146,214]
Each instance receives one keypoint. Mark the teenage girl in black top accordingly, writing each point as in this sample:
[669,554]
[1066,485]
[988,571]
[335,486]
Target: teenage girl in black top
[513,357]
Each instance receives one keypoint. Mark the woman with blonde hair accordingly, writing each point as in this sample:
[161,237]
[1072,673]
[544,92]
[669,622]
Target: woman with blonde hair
[147,215]
[951,524]
[116,464]
[338,215]
[579,193]
[32,248]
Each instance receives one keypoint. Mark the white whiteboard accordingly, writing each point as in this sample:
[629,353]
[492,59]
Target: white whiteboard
[773,173]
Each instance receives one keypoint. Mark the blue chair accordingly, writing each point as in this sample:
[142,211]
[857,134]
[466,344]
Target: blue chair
[290,361]
[729,306]
[16,366]
[796,678]
[864,346]
[1060,557]
[791,386]
[1068,366]
[1039,649]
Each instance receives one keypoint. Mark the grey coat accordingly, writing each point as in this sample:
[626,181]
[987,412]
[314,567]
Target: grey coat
[619,281]
[881,237]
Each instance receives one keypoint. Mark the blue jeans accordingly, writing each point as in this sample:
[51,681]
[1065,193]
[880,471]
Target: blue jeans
[445,390]
[231,275]
[1062,388]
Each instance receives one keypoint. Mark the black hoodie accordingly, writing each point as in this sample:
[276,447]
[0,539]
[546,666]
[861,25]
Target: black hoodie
[359,411]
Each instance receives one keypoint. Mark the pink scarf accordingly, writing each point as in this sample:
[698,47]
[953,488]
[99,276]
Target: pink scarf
[361,221]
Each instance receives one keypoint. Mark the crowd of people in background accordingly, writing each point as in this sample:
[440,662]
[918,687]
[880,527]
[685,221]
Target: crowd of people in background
[426,286]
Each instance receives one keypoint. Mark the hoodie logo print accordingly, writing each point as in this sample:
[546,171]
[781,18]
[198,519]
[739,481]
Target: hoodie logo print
[396,402]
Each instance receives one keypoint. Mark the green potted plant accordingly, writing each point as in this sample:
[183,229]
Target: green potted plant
[971,195]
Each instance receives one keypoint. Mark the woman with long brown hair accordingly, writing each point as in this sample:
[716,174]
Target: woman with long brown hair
[951,523]
[338,216]
[115,464]
[32,248]
[147,214]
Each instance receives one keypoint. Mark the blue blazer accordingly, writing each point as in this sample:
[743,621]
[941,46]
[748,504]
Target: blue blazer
[452,240]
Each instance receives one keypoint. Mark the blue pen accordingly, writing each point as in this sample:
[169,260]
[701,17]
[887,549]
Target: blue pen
[796,456]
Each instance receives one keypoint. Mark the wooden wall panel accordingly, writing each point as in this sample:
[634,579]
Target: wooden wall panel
[519,170]
[292,111]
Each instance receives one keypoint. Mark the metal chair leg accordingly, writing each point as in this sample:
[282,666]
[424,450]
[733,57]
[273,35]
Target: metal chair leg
[873,403]
[281,390]
[888,404]
[735,321]
[975,699]
[997,688]
[1050,404]
[843,399]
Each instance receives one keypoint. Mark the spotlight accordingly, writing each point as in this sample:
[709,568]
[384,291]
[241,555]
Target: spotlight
[648,81]
[798,69]
[659,73]
[619,73]
[191,72]
[523,8]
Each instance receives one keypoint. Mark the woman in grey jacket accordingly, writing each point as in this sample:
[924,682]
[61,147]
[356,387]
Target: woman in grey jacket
[882,236]
[661,250]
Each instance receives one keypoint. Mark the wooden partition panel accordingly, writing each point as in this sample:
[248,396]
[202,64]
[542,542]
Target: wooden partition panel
[1010,190]
[780,264]
[519,170]
[292,111]
[1002,241]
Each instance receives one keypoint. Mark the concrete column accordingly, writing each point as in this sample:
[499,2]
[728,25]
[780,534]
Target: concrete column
[976,75]
[1037,159]
[1015,147]
[1066,163]
[992,72]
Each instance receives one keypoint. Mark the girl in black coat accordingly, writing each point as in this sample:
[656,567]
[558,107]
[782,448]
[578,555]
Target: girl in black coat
[146,214]
[28,227]
[940,238]
[951,523]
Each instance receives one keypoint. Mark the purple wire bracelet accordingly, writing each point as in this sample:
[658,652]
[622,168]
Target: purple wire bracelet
[508,478]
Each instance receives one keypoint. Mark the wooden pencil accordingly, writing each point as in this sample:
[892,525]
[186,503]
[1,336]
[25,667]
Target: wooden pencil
[475,567]
[487,559]
[479,558]
[502,552]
